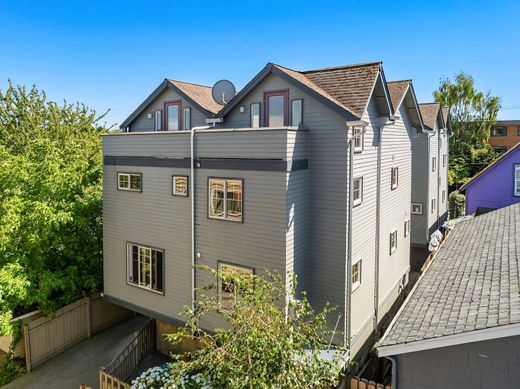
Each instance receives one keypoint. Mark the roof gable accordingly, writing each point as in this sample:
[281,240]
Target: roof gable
[431,114]
[490,167]
[402,92]
[198,95]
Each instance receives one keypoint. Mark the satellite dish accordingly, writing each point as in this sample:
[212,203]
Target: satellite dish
[223,91]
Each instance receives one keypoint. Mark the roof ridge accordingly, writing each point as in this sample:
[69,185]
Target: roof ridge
[433,103]
[394,81]
[187,82]
[342,67]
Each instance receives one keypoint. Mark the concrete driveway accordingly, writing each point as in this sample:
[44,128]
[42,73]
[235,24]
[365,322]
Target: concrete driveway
[80,364]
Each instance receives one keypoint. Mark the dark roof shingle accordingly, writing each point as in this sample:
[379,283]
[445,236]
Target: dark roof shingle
[397,90]
[472,284]
[201,94]
[429,113]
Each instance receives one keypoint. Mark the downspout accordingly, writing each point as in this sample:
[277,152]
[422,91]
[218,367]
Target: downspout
[394,371]
[378,223]
[192,195]
[428,206]
[438,178]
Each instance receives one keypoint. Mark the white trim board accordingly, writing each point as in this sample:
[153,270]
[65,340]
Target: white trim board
[451,340]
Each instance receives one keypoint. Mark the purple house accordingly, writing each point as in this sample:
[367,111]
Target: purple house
[497,186]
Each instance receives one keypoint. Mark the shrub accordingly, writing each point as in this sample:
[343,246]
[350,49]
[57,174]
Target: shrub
[457,205]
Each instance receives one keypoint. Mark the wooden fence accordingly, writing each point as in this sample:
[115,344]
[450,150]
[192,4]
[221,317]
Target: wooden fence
[47,336]
[115,375]
[362,383]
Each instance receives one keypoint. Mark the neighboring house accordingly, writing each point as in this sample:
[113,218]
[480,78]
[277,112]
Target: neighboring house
[460,325]
[504,135]
[294,179]
[497,186]
[429,205]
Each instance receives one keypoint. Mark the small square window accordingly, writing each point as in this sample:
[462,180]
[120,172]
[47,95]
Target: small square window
[180,185]
[406,228]
[227,289]
[356,275]
[434,164]
[417,208]
[393,242]
[357,191]
[394,178]
[358,138]
[129,181]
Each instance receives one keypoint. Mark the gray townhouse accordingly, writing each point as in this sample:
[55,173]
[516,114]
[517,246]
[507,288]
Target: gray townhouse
[429,186]
[304,172]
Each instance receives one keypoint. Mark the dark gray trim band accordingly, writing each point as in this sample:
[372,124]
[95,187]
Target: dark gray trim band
[270,165]
[147,161]
[144,311]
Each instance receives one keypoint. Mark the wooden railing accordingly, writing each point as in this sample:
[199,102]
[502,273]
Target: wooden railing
[118,372]
[362,383]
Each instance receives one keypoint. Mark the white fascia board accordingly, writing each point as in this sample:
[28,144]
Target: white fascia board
[451,340]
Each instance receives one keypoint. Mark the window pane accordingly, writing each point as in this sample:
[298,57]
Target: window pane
[173,117]
[255,115]
[145,267]
[123,181]
[234,199]
[135,264]
[158,120]
[297,112]
[157,270]
[276,111]
[187,118]
[135,182]
[216,196]
[180,185]
[358,139]
[228,289]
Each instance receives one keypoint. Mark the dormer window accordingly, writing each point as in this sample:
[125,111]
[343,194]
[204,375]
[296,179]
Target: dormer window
[296,112]
[358,139]
[158,121]
[172,115]
[276,108]
[186,117]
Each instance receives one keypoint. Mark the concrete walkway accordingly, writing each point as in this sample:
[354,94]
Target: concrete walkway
[80,364]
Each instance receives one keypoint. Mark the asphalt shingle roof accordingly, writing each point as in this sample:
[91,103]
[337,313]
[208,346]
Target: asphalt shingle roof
[472,284]
[397,90]
[201,94]
[429,112]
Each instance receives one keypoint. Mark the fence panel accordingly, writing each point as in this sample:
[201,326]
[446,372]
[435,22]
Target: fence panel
[104,314]
[363,383]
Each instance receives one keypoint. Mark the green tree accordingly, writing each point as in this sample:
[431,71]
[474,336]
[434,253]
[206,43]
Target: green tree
[50,202]
[268,340]
[472,115]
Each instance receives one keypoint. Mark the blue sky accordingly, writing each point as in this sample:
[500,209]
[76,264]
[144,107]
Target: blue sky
[112,54]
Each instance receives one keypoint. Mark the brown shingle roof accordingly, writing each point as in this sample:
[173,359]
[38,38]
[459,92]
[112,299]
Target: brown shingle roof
[201,94]
[397,90]
[429,112]
[350,84]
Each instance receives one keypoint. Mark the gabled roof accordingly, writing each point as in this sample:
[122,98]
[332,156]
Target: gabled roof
[473,179]
[431,112]
[397,91]
[402,91]
[199,95]
[345,89]
[469,292]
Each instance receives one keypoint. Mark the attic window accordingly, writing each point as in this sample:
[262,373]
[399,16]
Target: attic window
[157,125]
[255,115]
[186,116]
[296,112]
[358,139]
[172,113]
[276,108]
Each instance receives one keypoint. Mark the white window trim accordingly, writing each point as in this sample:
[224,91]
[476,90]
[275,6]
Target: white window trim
[421,209]
[393,248]
[129,175]
[517,180]
[394,185]
[433,205]
[357,284]
[292,112]
[361,135]
[129,264]
[406,228]
[226,217]
[251,121]
[360,200]
[434,164]
[158,120]
[174,191]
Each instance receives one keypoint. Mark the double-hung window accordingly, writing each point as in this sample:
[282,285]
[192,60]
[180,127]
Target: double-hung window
[358,138]
[172,111]
[227,285]
[180,186]
[186,117]
[356,275]
[276,108]
[129,181]
[517,180]
[296,112]
[225,199]
[255,115]
[158,121]
[394,178]
[145,267]
[434,164]
[357,191]
[393,242]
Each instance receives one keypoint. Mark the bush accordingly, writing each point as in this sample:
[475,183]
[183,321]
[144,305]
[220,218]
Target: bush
[457,205]
[10,369]
[160,378]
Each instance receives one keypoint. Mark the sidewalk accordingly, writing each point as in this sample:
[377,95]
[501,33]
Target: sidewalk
[80,364]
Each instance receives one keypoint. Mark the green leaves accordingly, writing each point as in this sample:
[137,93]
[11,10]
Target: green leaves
[50,202]
[472,115]
[268,340]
